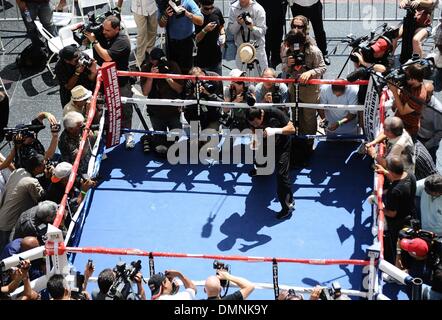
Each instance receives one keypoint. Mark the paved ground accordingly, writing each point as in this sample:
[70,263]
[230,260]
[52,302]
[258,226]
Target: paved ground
[32,91]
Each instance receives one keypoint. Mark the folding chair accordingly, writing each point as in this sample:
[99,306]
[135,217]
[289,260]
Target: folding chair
[55,44]
[62,19]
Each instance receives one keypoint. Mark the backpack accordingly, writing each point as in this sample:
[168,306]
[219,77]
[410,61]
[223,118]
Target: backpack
[32,57]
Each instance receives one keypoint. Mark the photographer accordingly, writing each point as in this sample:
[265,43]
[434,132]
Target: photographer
[269,92]
[74,68]
[208,91]
[213,286]
[114,46]
[410,99]
[58,287]
[116,284]
[162,117]
[239,92]
[26,143]
[163,286]
[23,191]
[430,192]
[179,24]
[303,61]
[247,23]
[210,38]
[19,275]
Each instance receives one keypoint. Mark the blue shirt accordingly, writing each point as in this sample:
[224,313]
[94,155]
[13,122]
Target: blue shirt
[182,27]
[11,248]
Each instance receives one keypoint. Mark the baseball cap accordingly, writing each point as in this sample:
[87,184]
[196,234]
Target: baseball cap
[68,52]
[236,73]
[62,170]
[380,46]
[155,282]
[416,246]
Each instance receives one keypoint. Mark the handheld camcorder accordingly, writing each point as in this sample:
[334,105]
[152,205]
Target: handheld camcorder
[94,24]
[121,289]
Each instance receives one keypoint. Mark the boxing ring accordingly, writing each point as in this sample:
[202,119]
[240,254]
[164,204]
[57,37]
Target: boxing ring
[184,216]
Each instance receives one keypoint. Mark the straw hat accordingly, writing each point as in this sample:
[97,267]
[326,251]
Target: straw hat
[80,93]
[246,52]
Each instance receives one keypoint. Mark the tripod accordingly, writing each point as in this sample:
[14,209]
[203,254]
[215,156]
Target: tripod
[251,66]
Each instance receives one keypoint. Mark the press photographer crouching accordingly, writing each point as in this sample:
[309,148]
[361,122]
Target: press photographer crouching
[239,92]
[163,118]
[216,284]
[302,60]
[26,143]
[116,283]
[420,255]
[163,286]
[206,90]
[270,92]
[72,69]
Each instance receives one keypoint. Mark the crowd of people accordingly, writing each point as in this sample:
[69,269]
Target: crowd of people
[196,35]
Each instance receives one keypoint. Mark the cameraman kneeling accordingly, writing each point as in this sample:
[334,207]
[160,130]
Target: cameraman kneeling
[269,92]
[162,117]
[208,91]
[213,287]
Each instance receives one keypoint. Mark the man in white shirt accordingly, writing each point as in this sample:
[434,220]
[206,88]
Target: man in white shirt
[251,29]
[430,192]
[337,121]
[163,287]
[145,15]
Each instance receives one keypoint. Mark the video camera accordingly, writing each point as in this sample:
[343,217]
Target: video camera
[398,75]
[174,4]
[21,131]
[218,265]
[415,231]
[121,289]
[369,45]
[332,293]
[246,17]
[94,24]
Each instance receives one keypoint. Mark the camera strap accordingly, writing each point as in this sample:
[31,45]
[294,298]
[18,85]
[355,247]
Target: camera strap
[151,264]
[275,278]
[243,36]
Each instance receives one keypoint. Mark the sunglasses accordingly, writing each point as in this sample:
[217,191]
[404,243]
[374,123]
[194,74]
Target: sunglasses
[297,27]
[208,8]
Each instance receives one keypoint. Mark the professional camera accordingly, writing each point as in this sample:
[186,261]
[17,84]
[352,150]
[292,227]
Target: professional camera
[370,45]
[94,24]
[209,86]
[163,65]
[332,293]
[276,95]
[85,60]
[21,131]
[415,231]
[218,265]
[249,97]
[246,17]
[121,289]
